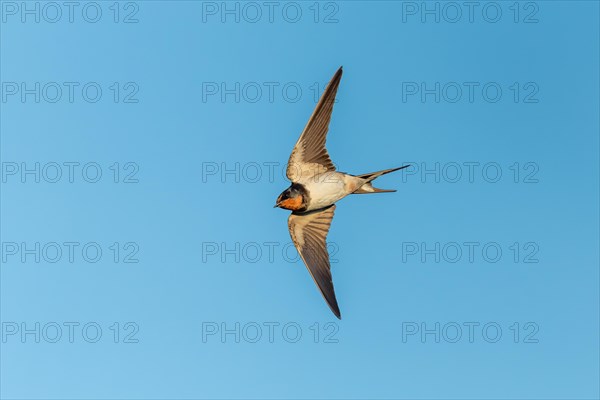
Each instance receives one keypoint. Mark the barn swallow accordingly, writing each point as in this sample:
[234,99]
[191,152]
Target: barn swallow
[316,187]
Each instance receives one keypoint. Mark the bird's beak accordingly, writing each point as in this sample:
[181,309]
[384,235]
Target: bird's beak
[276,205]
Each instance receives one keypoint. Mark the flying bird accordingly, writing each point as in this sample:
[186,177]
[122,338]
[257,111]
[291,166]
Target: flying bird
[316,187]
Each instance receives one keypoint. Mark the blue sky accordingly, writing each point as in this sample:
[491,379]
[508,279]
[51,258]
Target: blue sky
[143,145]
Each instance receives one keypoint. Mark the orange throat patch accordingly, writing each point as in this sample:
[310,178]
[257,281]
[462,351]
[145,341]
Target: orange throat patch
[294,204]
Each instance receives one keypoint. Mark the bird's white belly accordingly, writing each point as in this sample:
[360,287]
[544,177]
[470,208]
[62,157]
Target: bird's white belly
[325,189]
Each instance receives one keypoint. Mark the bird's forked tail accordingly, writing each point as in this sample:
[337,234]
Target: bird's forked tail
[367,187]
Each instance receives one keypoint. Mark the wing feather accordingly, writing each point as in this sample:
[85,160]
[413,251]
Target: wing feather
[309,234]
[310,156]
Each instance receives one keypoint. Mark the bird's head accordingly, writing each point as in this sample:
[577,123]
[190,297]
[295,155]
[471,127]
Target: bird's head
[291,198]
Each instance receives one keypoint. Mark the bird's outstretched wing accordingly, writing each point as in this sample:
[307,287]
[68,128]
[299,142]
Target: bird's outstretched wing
[309,234]
[309,156]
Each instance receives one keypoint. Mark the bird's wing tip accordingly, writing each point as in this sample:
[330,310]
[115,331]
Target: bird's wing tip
[337,313]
